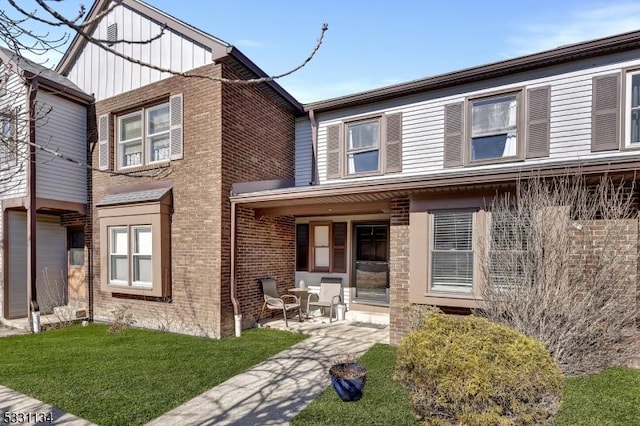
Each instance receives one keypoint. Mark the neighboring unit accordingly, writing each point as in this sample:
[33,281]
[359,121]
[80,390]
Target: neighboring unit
[391,185]
[165,150]
[43,196]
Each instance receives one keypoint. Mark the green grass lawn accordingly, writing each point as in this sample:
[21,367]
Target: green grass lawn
[384,402]
[128,378]
[608,398]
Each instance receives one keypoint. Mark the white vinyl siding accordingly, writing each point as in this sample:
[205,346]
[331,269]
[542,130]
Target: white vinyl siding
[63,130]
[105,74]
[423,119]
[13,180]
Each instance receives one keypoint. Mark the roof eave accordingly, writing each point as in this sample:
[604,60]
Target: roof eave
[251,66]
[556,56]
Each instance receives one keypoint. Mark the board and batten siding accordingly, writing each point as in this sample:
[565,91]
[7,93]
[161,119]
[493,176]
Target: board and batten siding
[13,179]
[423,123]
[64,130]
[104,74]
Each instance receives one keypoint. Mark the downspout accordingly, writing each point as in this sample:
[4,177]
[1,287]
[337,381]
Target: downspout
[34,309]
[237,315]
[314,146]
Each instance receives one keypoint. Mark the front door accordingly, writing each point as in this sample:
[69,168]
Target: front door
[371,268]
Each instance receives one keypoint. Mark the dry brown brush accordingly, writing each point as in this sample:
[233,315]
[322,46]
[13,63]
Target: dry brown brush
[562,267]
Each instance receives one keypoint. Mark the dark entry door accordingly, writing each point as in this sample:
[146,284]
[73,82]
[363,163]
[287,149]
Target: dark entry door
[372,262]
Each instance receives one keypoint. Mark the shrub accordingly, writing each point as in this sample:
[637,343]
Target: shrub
[467,370]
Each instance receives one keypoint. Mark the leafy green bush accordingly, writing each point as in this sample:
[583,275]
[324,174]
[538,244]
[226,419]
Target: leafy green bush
[467,370]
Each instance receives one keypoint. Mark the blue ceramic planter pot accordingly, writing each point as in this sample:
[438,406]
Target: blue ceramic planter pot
[348,380]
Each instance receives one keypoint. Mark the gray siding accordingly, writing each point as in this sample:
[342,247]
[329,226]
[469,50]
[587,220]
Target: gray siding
[64,130]
[303,152]
[104,74]
[423,119]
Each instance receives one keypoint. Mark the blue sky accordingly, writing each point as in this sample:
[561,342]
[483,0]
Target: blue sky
[376,43]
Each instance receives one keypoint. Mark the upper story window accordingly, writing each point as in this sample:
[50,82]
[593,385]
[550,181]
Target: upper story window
[148,136]
[480,130]
[143,136]
[8,142]
[632,130]
[494,128]
[363,147]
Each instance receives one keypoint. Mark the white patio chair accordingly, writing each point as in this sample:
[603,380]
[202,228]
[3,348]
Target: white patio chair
[328,297]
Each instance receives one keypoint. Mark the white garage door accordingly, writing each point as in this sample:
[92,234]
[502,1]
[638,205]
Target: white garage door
[51,257]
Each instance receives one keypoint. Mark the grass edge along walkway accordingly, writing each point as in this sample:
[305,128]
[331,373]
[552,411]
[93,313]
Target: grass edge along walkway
[131,377]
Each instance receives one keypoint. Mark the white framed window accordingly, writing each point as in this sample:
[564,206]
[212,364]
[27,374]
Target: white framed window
[494,127]
[363,146]
[321,247]
[632,119]
[118,255]
[452,251]
[130,256]
[144,136]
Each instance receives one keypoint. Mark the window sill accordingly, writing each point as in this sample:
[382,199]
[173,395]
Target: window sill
[135,291]
[143,168]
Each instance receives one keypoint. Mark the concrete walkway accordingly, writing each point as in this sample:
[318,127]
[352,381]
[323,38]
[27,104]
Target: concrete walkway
[272,392]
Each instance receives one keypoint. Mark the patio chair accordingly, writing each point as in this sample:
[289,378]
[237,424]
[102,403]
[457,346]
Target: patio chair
[328,297]
[273,301]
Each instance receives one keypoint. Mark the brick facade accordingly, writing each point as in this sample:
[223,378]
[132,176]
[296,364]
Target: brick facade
[398,268]
[230,134]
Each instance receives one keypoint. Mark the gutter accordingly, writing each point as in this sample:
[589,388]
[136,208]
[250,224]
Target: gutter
[237,314]
[559,55]
[314,146]
[459,177]
[32,296]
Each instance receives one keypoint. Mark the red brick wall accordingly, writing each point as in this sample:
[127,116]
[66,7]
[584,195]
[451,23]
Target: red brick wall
[258,144]
[398,269]
[232,133]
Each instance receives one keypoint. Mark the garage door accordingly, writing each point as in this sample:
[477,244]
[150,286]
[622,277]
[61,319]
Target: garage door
[51,256]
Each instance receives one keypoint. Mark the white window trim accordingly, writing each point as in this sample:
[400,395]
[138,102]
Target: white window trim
[140,284]
[145,137]
[627,110]
[130,283]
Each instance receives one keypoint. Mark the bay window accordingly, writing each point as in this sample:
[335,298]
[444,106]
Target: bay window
[135,255]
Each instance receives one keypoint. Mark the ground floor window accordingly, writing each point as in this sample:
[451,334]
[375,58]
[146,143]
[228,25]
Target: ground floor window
[130,255]
[135,247]
[452,251]
[321,247]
